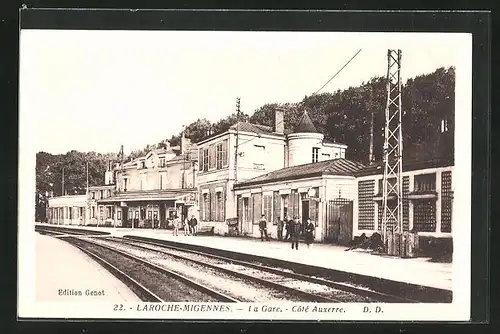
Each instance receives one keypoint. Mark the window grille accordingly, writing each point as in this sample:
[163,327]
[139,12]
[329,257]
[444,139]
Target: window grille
[446,202]
[406,203]
[424,215]
[366,211]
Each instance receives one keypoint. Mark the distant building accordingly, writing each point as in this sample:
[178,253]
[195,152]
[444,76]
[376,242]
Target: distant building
[247,151]
[101,214]
[67,210]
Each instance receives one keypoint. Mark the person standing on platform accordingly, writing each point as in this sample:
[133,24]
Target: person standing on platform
[309,232]
[177,223]
[263,228]
[185,224]
[193,223]
[280,229]
[288,227]
[295,233]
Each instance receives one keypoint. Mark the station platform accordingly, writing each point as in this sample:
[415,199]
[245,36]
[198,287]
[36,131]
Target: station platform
[66,274]
[415,270]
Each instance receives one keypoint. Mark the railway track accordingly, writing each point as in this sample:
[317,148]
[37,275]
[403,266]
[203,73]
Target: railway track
[281,283]
[67,231]
[301,287]
[147,280]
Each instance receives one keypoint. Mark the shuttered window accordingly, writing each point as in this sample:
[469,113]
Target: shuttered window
[219,206]
[295,203]
[313,211]
[239,209]
[257,207]
[213,205]
[225,149]
[205,159]
[276,206]
[247,203]
[268,206]
[286,206]
[211,157]
[221,154]
[206,207]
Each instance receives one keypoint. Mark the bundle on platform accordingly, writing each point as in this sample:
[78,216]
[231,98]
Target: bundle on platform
[402,244]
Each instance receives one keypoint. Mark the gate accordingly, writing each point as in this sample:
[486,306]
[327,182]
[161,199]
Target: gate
[339,221]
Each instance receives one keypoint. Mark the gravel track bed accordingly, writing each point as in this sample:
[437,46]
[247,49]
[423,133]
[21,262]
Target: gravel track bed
[298,284]
[167,288]
[232,286]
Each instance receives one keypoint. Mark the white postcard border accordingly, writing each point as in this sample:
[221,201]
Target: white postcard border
[458,310]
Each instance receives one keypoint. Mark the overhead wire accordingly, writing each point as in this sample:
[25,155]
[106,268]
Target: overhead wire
[337,72]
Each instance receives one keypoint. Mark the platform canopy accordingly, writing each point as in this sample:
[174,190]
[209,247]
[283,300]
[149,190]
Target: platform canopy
[144,196]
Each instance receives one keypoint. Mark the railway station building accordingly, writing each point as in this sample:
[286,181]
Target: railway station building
[315,190]
[153,188]
[247,151]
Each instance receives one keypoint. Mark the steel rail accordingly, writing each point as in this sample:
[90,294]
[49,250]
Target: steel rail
[141,291]
[69,230]
[187,281]
[379,296]
[299,293]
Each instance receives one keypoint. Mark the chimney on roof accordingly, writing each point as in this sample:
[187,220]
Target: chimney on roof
[183,141]
[279,121]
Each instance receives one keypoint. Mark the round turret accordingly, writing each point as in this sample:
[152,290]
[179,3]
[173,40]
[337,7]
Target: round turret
[304,142]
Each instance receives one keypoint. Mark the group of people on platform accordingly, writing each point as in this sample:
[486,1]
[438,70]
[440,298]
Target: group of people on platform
[189,225]
[294,229]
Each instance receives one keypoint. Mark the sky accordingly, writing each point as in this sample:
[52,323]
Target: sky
[97,90]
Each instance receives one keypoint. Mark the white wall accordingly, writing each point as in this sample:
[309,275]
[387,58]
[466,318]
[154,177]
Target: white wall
[334,151]
[300,147]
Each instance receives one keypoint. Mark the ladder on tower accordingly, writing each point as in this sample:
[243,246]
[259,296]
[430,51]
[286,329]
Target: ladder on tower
[392,184]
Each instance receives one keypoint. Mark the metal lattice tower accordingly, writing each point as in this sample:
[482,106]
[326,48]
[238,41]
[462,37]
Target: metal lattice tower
[392,196]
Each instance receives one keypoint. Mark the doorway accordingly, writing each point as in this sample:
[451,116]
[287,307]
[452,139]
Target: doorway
[125,221]
[305,212]
[163,214]
[339,221]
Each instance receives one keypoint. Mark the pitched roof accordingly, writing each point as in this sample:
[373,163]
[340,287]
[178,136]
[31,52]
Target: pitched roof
[255,128]
[408,165]
[305,125]
[184,157]
[151,195]
[340,167]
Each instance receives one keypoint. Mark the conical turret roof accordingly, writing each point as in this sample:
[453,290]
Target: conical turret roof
[305,124]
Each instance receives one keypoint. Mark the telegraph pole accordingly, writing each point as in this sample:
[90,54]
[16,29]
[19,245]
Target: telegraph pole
[371,157]
[392,218]
[87,194]
[62,182]
[87,178]
[184,185]
[237,138]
